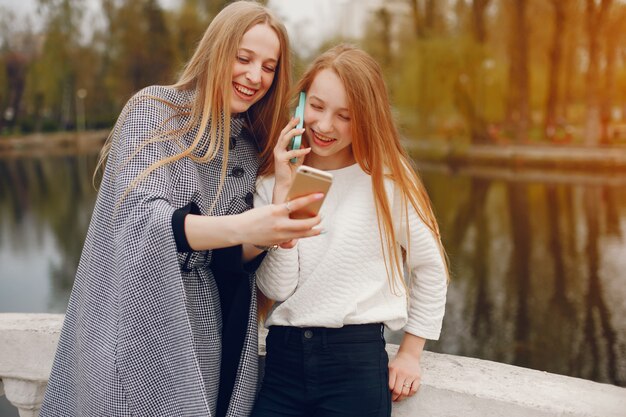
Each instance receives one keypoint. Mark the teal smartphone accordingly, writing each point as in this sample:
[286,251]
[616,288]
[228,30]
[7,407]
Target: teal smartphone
[296,141]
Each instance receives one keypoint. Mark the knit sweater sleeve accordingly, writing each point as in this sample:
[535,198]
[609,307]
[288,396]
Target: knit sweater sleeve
[427,283]
[277,276]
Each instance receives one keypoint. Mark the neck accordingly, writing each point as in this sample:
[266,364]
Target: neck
[329,163]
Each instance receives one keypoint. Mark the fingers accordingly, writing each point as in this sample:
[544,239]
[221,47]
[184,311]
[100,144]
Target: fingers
[293,230]
[297,153]
[289,244]
[404,389]
[300,202]
[288,133]
[401,390]
[396,390]
[292,123]
[402,384]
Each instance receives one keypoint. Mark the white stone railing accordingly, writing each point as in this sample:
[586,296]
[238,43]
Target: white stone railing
[451,385]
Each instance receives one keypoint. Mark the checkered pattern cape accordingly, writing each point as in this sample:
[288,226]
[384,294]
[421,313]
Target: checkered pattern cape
[142,334]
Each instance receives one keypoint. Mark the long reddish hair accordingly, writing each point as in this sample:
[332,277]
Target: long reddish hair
[376,147]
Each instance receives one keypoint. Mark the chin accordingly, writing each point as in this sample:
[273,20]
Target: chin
[239,107]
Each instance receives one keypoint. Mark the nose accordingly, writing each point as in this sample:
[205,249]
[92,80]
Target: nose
[254,75]
[325,123]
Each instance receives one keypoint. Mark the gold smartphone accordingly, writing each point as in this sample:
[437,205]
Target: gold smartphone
[309,180]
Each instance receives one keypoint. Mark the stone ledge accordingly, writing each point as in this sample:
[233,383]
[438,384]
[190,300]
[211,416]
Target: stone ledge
[452,385]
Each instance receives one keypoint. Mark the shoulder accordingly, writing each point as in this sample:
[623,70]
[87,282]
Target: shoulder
[154,109]
[161,93]
[150,113]
[158,101]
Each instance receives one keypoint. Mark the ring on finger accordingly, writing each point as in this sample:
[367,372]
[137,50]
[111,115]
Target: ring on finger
[288,207]
[406,385]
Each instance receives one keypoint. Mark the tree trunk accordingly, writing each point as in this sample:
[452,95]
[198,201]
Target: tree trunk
[384,17]
[570,59]
[478,20]
[554,69]
[595,19]
[612,40]
[16,65]
[518,100]
[417,19]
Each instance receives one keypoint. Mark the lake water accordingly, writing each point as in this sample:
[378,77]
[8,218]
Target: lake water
[538,259]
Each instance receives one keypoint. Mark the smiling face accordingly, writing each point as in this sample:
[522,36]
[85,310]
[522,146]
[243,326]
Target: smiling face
[254,67]
[327,122]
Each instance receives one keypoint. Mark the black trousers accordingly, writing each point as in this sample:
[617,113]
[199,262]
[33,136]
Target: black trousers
[322,372]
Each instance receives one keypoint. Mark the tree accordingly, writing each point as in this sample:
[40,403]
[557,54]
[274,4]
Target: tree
[141,49]
[427,17]
[380,43]
[17,52]
[613,37]
[596,17]
[518,110]
[56,68]
[554,68]
[477,123]
[573,78]
[479,28]
[189,24]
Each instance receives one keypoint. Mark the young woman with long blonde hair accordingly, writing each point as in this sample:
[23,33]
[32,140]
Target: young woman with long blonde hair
[162,319]
[335,292]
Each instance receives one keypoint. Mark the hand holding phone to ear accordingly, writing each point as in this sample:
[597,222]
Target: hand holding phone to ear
[287,150]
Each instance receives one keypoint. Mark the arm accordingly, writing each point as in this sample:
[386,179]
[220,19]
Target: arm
[427,296]
[277,276]
[262,226]
[405,372]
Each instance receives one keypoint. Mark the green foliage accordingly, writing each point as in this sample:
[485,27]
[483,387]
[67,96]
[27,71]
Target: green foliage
[140,49]
[444,80]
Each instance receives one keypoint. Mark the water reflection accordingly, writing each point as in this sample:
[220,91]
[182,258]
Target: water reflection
[45,207]
[537,259]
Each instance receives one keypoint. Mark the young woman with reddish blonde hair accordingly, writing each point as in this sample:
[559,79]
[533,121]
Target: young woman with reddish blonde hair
[334,293]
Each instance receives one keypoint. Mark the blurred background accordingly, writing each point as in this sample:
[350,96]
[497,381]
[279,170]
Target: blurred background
[537,251]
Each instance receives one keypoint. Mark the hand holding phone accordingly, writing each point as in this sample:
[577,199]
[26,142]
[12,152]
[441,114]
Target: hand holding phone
[309,180]
[296,141]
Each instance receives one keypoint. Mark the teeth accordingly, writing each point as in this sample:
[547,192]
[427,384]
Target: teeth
[244,90]
[324,138]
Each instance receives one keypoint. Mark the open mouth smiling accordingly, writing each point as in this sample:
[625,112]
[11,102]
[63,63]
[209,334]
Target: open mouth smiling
[243,90]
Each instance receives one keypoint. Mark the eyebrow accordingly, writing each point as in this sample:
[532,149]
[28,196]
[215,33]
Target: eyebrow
[340,109]
[250,51]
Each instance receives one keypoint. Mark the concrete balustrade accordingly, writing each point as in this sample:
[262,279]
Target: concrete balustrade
[451,386]
[27,346]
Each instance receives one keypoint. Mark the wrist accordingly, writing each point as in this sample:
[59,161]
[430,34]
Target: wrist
[250,252]
[237,229]
[412,346]
[279,194]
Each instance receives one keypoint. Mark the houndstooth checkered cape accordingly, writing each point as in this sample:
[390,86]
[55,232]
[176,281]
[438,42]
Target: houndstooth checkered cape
[142,337]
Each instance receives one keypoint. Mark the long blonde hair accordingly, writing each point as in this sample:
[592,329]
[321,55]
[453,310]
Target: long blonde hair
[376,147]
[209,73]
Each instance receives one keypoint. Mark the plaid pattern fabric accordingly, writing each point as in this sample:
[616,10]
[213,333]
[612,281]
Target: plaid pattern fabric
[142,333]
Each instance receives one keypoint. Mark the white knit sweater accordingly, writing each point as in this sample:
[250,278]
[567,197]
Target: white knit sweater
[339,277]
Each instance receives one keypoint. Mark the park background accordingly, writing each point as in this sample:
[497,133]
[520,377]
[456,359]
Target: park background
[536,246]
